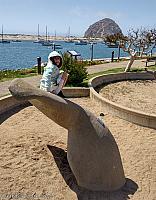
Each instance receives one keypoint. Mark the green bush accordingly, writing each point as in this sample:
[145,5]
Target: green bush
[76,70]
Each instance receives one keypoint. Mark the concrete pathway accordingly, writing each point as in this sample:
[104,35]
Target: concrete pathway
[34,80]
[98,68]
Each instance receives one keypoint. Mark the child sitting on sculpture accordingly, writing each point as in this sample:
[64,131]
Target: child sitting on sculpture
[53,78]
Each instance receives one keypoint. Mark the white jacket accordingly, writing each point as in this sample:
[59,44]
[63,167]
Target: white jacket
[50,78]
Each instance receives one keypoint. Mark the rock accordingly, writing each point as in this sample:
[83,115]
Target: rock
[102,28]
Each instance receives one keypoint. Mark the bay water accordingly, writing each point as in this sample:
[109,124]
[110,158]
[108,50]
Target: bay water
[19,55]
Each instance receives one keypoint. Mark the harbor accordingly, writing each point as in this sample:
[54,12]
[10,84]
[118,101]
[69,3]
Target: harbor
[19,55]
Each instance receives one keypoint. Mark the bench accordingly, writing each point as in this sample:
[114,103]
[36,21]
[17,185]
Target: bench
[151,59]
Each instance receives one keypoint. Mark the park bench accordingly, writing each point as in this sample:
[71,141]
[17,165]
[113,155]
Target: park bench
[150,59]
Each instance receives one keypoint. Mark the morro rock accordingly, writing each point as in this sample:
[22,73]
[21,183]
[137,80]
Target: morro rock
[103,28]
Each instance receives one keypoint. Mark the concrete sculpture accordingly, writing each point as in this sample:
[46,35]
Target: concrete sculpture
[92,152]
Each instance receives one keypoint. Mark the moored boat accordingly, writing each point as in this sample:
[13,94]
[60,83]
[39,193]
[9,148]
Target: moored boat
[112,45]
[81,42]
[2,40]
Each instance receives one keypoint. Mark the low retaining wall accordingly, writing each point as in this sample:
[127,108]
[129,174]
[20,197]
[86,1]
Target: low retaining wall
[137,117]
[9,102]
[76,92]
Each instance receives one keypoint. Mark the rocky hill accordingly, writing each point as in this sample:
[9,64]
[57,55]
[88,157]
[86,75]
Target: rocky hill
[102,28]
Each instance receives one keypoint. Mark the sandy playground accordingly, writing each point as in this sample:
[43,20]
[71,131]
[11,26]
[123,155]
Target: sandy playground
[33,162]
[137,94]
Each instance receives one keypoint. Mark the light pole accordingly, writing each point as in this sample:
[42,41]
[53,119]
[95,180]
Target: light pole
[121,44]
[112,59]
[92,51]
[39,65]
[119,51]
[54,46]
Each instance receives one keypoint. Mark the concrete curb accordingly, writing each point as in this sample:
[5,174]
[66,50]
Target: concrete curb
[137,117]
[76,92]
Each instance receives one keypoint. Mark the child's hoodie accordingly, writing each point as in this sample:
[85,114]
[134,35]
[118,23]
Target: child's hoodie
[51,73]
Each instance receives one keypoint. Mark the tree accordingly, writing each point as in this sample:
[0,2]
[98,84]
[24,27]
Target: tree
[137,43]
[115,38]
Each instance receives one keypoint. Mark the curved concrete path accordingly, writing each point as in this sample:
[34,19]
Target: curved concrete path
[98,68]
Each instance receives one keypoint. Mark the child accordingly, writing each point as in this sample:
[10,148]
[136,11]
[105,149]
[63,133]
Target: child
[53,78]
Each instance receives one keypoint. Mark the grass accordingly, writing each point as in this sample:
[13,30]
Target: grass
[115,70]
[22,73]
[153,67]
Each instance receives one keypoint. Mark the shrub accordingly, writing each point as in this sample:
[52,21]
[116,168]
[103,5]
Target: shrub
[76,70]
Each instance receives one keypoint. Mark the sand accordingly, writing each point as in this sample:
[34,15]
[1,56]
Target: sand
[29,37]
[29,169]
[138,95]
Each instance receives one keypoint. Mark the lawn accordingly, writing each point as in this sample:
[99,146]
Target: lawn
[22,73]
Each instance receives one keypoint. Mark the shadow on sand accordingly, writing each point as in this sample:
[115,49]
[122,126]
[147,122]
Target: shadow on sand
[60,157]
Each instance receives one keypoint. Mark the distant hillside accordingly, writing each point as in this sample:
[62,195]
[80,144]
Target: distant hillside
[102,28]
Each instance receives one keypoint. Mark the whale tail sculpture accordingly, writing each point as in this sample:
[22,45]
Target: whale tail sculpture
[92,152]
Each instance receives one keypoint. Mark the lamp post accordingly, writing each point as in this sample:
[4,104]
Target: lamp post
[112,59]
[121,44]
[39,65]
[54,46]
[119,51]
[92,51]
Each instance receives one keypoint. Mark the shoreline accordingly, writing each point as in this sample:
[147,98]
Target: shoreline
[25,37]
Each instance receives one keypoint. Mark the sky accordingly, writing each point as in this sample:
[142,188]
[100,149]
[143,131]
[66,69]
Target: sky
[23,16]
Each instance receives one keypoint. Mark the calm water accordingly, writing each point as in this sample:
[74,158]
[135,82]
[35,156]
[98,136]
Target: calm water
[16,55]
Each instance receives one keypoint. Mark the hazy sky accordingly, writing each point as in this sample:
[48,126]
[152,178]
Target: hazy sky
[19,16]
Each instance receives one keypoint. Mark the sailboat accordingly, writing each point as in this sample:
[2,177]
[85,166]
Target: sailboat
[56,46]
[112,45]
[47,42]
[38,37]
[81,42]
[68,37]
[2,40]
[16,40]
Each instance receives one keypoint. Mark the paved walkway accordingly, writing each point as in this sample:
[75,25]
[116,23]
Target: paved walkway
[34,80]
[98,68]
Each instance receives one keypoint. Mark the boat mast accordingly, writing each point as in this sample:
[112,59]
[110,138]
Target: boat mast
[69,33]
[46,33]
[48,37]
[55,35]
[38,32]
[2,32]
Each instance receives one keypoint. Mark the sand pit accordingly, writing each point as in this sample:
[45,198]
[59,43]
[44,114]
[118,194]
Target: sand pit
[29,169]
[139,95]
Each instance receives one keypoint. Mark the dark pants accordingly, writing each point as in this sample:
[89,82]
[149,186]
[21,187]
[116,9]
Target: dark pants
[61,94]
